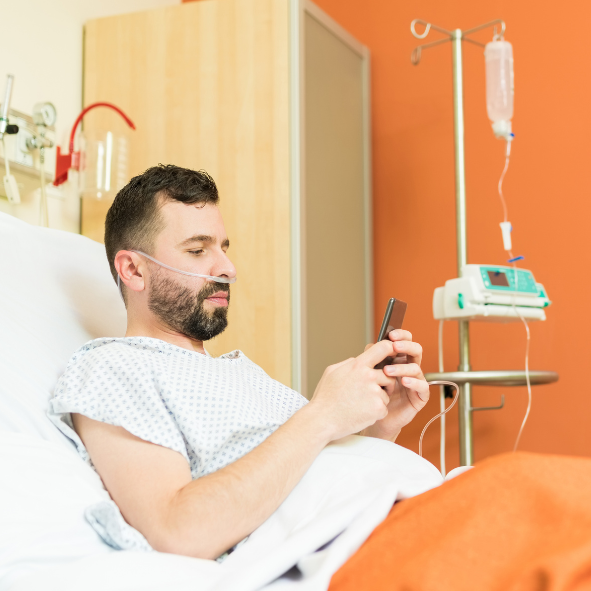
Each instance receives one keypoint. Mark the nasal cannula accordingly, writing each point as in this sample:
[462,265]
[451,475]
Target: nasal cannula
[209,277]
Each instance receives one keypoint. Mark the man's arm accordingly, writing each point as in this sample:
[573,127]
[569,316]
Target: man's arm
[203,518]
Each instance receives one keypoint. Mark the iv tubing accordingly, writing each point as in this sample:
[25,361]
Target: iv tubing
[439,383]
[527,379]
[500,185]
[527,332]
[441,403]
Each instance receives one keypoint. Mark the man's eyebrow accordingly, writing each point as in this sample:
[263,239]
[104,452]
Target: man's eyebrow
[203,238]
[197,238]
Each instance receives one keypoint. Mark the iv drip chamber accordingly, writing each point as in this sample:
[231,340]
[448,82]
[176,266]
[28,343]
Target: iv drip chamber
[498,56]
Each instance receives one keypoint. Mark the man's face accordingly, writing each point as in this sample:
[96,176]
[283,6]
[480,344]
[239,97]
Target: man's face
[194,240]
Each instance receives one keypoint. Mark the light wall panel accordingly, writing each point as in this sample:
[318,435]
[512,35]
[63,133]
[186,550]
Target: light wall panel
[206,84]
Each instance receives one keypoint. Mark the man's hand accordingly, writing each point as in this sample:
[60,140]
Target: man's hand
[408,392]
[352,395]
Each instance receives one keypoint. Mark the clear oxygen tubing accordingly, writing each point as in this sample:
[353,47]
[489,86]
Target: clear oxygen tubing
[516,275]
[441,414]
[43,206]
[441,402]
[209,277]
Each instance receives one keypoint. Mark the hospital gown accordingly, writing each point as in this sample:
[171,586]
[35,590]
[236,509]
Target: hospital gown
[211,410]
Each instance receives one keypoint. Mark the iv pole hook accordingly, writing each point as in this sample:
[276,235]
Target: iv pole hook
[415,58]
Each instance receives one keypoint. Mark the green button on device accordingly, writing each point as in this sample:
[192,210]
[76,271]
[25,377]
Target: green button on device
[461,301]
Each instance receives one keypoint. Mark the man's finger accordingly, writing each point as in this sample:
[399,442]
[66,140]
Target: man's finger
[399,335]
[383,380]
[419,387]
[400,370]
[412,350]
[376,353]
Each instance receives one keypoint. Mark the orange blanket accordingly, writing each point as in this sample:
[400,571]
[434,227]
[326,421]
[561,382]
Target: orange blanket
[517,522]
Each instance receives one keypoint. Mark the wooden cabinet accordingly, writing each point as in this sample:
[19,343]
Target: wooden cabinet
[271,98]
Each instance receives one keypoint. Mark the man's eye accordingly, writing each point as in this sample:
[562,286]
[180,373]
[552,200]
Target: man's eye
[197,252]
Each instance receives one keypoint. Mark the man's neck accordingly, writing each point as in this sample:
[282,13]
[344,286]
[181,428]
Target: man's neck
[156,330]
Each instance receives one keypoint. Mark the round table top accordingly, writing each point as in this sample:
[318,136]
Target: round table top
[495,378]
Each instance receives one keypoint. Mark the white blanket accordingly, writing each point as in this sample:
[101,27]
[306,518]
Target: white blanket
[56,293]
[346,493]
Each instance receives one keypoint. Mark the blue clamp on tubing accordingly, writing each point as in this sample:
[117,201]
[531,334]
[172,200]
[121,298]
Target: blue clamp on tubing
[515,259]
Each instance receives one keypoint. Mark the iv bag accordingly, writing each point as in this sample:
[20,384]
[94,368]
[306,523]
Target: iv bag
[498,57]
[103,165]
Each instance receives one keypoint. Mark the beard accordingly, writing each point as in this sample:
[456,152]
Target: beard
[183,310]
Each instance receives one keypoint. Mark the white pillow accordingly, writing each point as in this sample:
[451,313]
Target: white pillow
[56,293]
[45,489]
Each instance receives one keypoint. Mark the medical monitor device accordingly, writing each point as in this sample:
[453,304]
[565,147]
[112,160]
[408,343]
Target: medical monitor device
[491,293]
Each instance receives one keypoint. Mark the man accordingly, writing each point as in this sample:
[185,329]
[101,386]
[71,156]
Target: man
[197,452]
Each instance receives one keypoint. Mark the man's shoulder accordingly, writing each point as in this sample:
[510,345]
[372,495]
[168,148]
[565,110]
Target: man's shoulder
[116,350]
[112,360]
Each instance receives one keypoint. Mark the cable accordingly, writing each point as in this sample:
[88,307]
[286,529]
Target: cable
[439,383]
[441,403]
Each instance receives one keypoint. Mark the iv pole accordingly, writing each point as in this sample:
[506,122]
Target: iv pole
[465,377]
[456,37]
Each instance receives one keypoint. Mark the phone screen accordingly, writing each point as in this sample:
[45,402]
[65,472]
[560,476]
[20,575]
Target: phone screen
[393,319]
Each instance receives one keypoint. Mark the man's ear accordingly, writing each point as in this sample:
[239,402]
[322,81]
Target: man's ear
[131,270]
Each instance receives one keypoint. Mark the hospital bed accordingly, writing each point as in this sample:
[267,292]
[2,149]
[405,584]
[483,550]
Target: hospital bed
[56,293]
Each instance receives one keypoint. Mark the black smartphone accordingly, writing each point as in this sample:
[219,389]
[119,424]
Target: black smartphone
[393,319]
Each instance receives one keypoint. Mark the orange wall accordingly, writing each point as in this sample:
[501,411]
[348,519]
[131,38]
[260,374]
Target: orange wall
[547,188]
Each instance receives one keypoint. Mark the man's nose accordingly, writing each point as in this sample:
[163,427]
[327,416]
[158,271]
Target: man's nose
[223,266]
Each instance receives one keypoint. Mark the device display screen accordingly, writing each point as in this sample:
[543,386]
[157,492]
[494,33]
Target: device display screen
[498,278]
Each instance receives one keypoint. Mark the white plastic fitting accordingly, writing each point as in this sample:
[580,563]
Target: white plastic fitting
[506,229]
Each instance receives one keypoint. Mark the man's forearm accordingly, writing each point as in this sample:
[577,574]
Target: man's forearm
[211,514]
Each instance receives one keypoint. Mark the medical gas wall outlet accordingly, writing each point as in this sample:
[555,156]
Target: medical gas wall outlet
[491,293]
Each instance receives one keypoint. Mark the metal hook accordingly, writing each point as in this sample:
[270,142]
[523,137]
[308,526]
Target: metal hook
[415,57]
[428,27]
[499,36]
[473,408]
[497,21]
[414,32]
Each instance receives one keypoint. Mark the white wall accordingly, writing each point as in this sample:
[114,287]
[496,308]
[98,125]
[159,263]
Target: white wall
[41,44]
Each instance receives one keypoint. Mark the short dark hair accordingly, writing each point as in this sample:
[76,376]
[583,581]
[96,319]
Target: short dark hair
[133,220]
